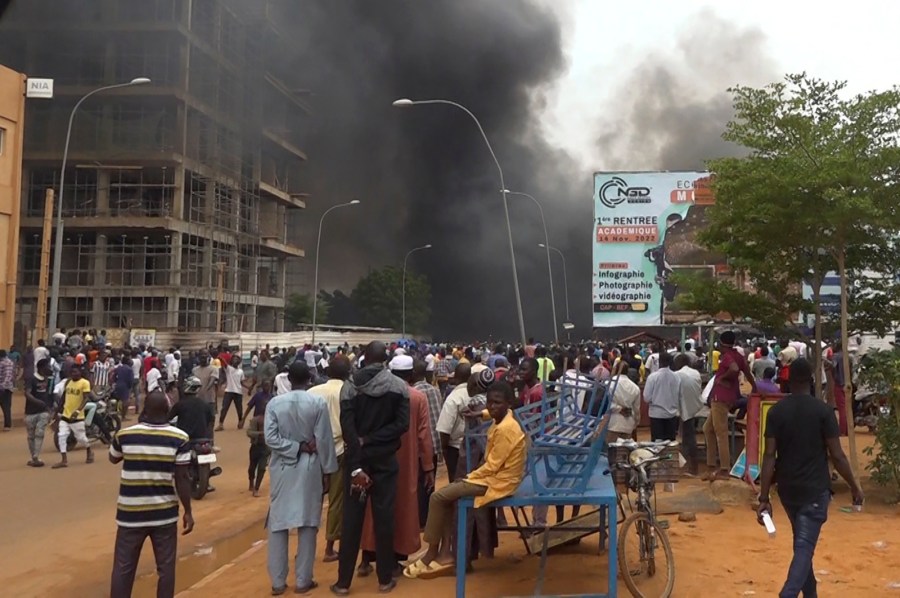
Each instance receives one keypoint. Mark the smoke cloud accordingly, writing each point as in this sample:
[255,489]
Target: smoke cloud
[423,174]
[672,110]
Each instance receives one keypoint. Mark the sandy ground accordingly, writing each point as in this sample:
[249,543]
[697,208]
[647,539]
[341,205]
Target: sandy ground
[58,532]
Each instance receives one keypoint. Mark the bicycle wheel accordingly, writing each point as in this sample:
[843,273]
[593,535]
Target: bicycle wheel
[645,558]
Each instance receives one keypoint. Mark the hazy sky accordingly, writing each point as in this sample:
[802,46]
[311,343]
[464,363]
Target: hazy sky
[858,42]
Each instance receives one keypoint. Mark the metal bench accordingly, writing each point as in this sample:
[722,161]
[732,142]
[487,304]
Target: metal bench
[567,442]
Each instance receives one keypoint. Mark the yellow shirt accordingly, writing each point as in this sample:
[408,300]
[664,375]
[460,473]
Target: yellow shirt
[75,392]
[715,360]
[504,463]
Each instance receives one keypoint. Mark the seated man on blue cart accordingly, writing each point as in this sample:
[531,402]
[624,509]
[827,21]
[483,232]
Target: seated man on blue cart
[498,477]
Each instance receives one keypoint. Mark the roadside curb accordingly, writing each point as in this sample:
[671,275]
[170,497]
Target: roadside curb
[218,572]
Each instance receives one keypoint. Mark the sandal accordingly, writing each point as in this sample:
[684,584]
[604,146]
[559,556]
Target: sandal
[364,570]
[338,590]
[420,570]
[279,591]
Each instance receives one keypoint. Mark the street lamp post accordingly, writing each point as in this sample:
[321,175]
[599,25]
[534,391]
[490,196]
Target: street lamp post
[318,244]
[549,266]
[57,248]
[403,292]
[565,277]
[405,102]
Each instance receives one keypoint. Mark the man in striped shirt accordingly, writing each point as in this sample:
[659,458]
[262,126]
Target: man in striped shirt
[155,457]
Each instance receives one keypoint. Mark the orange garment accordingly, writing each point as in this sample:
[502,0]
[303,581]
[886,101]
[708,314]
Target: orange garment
[504,461]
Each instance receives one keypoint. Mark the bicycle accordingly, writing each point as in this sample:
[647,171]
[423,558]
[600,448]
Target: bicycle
[642,541]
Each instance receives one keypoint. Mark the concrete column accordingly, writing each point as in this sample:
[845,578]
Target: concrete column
[98,280]
[174,282]
[102,199]
[208,320]
[177,207]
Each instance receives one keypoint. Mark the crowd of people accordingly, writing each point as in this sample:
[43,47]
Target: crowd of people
[367,427]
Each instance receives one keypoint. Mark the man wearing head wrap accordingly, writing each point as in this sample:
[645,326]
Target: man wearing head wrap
[416,451]
[724,395]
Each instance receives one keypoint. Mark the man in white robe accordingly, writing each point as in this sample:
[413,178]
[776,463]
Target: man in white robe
[298,432]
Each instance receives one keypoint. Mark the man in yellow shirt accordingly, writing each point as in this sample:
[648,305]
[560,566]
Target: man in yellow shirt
[498,477]
[76,394]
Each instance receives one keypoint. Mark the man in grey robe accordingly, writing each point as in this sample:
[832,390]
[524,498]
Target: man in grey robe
[298,431]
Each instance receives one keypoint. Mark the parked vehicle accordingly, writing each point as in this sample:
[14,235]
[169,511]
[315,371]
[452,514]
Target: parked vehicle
[203,460]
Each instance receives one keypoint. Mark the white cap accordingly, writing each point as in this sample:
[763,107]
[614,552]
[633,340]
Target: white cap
[401,363]
[399,351]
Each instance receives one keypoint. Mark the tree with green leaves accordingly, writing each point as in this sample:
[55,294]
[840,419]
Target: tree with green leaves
[378,299]
[298,310]
[816,192]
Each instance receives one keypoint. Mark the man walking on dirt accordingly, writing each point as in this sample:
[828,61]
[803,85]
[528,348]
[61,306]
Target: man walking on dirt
[796,458]
[154,479]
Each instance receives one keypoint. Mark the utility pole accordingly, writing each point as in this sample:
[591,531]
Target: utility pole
[40,328]
[220,295]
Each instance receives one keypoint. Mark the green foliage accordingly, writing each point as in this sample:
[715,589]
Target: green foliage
[378,299]
[298,309]
[882,374]
[817,192]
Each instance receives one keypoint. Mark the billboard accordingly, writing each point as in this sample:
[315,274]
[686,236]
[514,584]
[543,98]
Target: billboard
[642,220]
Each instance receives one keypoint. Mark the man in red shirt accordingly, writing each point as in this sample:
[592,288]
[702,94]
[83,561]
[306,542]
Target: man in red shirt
[725,393]
[531,390]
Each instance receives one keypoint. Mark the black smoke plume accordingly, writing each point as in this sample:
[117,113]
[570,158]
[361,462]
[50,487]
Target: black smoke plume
[423,173]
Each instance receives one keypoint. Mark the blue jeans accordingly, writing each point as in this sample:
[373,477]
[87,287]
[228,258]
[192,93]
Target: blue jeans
[806,523]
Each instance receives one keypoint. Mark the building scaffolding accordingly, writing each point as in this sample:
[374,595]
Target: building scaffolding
[178,193]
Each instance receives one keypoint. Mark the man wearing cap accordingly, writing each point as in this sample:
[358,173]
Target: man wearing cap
[416,452]
[450,425]
[374,417]
[724,395]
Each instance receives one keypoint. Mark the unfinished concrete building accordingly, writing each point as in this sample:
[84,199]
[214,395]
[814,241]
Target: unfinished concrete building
[177,193]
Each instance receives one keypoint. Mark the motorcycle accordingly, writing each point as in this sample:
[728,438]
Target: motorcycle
[203,459]
[104,425]
[868,408]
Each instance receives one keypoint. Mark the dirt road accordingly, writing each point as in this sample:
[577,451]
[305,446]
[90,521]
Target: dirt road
[58,529]
[58,526]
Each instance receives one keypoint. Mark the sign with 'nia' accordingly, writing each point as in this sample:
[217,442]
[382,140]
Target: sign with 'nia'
[39,88]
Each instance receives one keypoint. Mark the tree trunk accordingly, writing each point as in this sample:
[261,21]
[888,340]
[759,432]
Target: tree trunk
[816,352]
[845,353]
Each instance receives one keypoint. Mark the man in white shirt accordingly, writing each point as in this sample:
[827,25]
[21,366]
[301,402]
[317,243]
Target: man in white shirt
[282,384]
[625,407]
[691,406]
[451,424]
[652,364]
[234,392]
[153,377]
[662,393]
[41,352]
[338,373]
[173,366]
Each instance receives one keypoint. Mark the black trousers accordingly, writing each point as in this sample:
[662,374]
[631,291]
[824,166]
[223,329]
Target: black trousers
[129,541]
[424,495]
[663,429]
[259,460]
[229,398]
[451,459]
[6,405]
[382,493]
[689,444]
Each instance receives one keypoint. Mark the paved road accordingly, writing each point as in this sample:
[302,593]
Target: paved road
[58,526]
